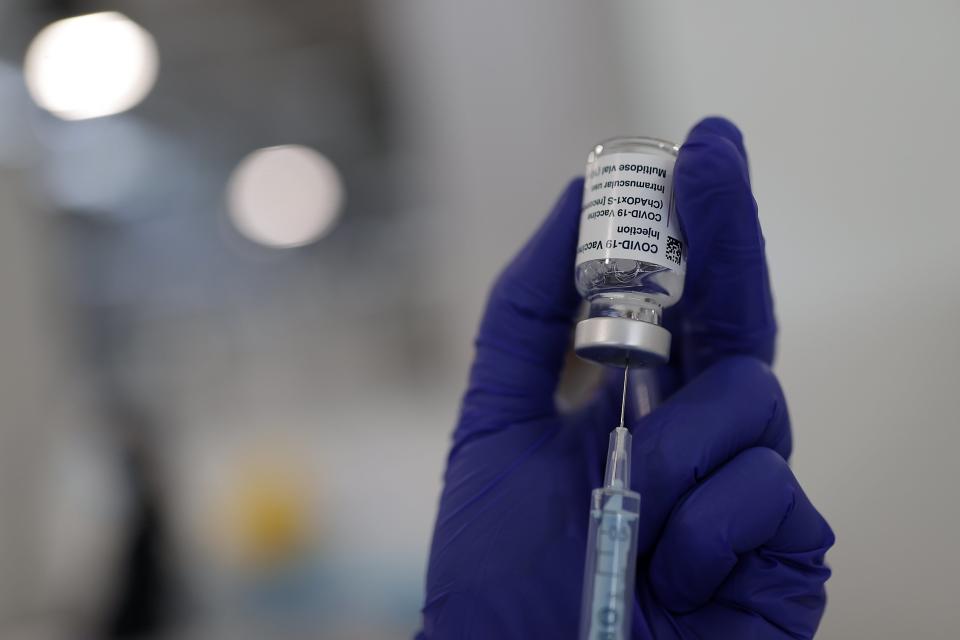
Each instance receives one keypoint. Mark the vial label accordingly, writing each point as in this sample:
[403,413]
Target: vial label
[628,211]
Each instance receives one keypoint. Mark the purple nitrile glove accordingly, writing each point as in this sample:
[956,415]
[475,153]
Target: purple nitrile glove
[729,545]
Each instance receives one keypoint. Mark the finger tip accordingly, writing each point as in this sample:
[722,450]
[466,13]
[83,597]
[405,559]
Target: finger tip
[719,126]
[570,200]
[574,190]
[710,161]
[713,194]
[714,152]
[543,268]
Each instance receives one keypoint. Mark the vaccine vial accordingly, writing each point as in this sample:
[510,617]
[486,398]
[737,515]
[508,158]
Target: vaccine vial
[631,255]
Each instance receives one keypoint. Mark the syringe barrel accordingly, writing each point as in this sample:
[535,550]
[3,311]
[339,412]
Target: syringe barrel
[611,564]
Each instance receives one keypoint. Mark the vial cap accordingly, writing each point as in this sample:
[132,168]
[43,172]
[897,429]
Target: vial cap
[611,341]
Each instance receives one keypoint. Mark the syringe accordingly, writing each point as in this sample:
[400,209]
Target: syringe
[610,568]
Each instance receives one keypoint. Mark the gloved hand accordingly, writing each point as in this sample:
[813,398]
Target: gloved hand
[729,545]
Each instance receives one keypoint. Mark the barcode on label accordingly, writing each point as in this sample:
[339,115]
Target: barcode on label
[674,249]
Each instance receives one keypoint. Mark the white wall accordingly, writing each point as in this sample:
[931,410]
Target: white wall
[850,117]
[58,515]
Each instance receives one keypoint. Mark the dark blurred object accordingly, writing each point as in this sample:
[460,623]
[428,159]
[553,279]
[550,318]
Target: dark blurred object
[142,605]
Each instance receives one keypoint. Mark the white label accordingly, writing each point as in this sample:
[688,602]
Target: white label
[628,211]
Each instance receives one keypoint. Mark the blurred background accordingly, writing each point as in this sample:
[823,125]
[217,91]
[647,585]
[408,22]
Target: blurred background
[244,245]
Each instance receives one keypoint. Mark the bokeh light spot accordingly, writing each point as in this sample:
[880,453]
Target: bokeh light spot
[285,196]
[91,66]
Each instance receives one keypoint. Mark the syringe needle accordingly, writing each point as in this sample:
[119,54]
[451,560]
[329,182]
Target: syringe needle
[623,400]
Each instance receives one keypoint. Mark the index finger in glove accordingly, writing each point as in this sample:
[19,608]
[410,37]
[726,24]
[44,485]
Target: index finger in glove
[727,305]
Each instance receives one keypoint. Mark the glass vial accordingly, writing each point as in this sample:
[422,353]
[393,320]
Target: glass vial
[631,255]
